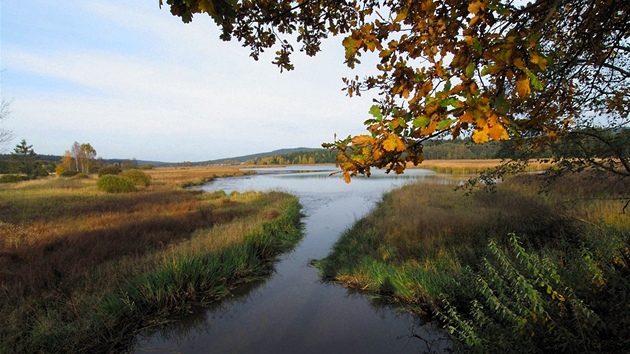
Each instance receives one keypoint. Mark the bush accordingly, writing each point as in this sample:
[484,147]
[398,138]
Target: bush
[59,170]
[68,173]
[108,170]
[115,184]
[12,178]
[80,176]
[138,177]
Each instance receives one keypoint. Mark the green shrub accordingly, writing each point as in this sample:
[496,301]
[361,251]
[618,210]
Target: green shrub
[138,177]
[115,184]
[12,178]
[108,170]
[80,176]
[68,173]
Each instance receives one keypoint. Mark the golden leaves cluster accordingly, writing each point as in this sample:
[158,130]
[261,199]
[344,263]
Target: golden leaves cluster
[447,67]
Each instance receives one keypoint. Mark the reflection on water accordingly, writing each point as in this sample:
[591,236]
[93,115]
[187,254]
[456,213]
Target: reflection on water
[293,311]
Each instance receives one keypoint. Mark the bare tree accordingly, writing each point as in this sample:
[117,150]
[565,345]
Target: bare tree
[6,135]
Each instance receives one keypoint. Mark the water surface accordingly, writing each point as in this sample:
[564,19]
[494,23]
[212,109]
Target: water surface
[293,311]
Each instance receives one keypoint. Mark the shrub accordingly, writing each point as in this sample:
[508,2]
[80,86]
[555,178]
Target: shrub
[108,170]
[138,177]
[115,184]
[12,178]
[80,176]
[59,170]
[68,173]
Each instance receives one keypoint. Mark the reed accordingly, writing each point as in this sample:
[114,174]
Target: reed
[471,167]
[82,270]
[426,246]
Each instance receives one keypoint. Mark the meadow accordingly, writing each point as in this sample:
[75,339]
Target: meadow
[83,271]
[529,267]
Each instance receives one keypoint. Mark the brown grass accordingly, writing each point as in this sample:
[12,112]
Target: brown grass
[52,231]
[470,166]
[176,175]
[64,245]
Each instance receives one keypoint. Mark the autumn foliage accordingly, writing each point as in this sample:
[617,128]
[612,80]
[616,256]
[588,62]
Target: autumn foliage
[491,69]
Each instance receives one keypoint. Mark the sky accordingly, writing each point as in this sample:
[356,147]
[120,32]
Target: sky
[136,82]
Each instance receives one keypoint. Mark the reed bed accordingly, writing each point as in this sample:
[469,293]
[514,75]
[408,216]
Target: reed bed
[431,249]
[472,166]
[82,271]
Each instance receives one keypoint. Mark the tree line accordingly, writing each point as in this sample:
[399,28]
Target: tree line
[24,163]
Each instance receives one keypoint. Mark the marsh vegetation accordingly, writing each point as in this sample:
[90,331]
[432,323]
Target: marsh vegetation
[513,270]
[82,270]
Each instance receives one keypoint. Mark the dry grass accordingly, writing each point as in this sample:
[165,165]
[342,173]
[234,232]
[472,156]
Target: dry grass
[470,166]
[63,242]
[420,236]
[177,175]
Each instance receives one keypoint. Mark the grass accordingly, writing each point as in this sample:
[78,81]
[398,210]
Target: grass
[430,248]
[82,270]
[471,166]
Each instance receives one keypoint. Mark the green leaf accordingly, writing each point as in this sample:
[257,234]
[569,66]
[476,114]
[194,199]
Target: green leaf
[421,122]
[470,70]
[376,112]
[502,105]
[533,80]
[477,46]
[444,123]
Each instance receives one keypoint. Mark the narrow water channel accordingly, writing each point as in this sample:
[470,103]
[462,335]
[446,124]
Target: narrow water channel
[293,311]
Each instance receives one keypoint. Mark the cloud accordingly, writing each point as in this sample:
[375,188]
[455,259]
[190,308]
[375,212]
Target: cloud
[152,87]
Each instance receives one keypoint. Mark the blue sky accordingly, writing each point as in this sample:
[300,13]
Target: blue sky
[136,82]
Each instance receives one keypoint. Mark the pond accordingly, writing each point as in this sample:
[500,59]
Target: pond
[293,311]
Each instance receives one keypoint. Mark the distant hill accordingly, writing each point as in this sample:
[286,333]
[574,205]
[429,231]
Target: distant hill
[241,159]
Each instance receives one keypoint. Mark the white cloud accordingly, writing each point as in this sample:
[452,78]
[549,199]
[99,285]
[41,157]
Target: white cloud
[181,94]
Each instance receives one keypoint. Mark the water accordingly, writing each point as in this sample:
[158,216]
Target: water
[293,311]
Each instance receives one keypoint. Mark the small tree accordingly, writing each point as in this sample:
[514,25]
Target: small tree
[87,157]
[83,155]
[23,159]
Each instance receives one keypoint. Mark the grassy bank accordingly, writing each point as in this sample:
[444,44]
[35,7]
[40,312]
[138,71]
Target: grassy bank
[82,271]
[508,271]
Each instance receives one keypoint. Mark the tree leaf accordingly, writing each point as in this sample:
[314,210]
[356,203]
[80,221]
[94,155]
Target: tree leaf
[470,70]
[534,81]
[444,124]
[421,122]
[362,139]
[376,112]
[393,143]
[522,86]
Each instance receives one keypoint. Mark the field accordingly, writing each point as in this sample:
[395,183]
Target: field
[82,270]
[516,270]
[470,166]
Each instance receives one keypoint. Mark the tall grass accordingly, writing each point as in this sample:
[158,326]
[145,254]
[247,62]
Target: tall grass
[82,271]
[431,248]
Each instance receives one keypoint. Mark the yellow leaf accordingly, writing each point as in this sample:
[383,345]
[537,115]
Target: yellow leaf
[497,132]
[377,153]
[539,60]
[346,176]
[480,135]
[474,21]
[393,143]
[523,87]
[467,117]
[401,16]
[475,6]
[519,63]
[362,139]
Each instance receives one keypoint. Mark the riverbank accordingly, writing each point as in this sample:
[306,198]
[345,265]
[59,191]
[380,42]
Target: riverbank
[83,271]
[513,270]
